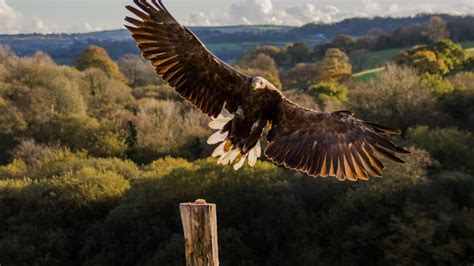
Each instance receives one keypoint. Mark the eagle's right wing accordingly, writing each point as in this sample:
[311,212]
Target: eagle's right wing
[328,144]
[184,62]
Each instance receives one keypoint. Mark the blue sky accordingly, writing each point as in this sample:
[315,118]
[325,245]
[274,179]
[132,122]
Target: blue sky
[47,16]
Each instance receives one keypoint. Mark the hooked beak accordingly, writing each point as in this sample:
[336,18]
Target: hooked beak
[254,86]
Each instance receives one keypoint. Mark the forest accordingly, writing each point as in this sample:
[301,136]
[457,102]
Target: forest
[96,157]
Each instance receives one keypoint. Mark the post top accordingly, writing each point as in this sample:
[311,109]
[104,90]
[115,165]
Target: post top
[198,203]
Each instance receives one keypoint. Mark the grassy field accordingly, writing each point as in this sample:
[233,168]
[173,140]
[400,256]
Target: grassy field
[367,75]
[467,45]
[383,56]
[225,46]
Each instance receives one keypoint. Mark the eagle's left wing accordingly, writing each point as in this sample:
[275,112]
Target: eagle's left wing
[328,144]
[182,60]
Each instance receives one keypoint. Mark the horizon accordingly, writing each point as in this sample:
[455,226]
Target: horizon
[55,16]
[243,25]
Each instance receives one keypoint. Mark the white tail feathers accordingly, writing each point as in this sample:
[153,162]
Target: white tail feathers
[226,153]
[217,137]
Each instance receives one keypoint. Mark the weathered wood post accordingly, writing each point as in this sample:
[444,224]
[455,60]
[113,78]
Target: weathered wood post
[200,232]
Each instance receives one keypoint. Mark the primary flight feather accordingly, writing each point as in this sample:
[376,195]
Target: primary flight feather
[242,107]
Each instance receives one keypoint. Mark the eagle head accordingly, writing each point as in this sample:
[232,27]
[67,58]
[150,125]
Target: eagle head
[259,83]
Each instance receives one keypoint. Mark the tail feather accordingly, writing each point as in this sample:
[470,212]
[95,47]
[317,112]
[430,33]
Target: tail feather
[217,137]
[226,153]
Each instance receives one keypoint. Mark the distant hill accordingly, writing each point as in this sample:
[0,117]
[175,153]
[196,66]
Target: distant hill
[227,42]
[357,27]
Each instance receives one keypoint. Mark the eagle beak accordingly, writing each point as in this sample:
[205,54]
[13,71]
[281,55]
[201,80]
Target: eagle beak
[255,86]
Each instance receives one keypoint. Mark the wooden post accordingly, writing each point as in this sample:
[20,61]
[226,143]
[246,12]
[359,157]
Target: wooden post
[200,233]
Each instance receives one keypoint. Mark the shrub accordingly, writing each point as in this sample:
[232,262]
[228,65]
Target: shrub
[54,212]
[80,132]
[453,148]
[168,128]
[163,92]
[104,95]
[443,57]
[326,92]
[399,99]
[97,57]
[138,72]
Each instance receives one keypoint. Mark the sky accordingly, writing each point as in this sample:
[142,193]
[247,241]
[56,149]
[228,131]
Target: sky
[68,16]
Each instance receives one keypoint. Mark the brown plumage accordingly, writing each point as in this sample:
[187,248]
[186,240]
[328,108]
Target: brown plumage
[319,144]
[184,62]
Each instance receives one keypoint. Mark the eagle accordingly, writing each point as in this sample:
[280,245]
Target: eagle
[246,109]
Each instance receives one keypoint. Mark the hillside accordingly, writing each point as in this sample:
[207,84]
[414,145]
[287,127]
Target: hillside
[227,42]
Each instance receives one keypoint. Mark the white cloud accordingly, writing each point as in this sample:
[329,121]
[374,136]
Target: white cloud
[13,22]
[370,7]
[305,13]
[200,19]
[265,12]
[37,25]
[9,18]
[269,12]
[252,12]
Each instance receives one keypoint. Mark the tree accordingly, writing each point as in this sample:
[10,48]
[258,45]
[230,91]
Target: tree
[458,104]
[450,146]
[343,42]
[394,98]
[361,60]
[298,53]
[6,53]
[334,66]
[438,84]
[437,29]
[104,94]
[58,210]
[11,120]
[168,128]
[301,76]
[326,92]
[451,54]
[39,88]
[424,61]
[442,58]
[97,57]
[137,71]
[80,132]
[265,63]
[274,52]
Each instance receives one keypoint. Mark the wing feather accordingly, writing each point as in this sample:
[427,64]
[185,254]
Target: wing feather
[183,61]
[329,144]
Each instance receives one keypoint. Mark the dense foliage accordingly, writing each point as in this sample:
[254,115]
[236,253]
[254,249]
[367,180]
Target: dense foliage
[94,160]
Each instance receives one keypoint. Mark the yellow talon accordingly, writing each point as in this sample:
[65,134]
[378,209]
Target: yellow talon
[239,157]
[227,146]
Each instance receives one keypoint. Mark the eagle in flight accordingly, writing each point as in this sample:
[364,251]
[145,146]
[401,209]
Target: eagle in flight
[243,108]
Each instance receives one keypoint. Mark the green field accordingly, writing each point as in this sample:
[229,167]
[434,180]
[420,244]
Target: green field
[383,56]
[467,45]
[225,47]
[367,75]
[374,59]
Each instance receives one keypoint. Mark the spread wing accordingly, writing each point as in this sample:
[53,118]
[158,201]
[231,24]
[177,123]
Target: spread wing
[184,62]
[329,144]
